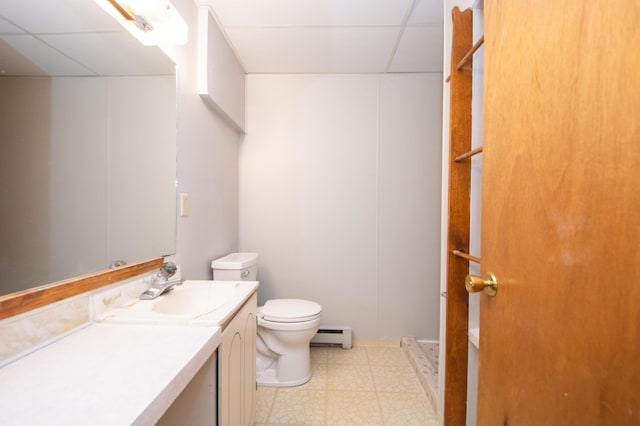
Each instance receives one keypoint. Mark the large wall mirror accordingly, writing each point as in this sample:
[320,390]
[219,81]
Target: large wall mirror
[88,134]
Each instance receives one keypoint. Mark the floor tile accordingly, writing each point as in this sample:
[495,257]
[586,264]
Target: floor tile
[346,408]
[264,401]
[356,355]
[318,377]
[386,356]
[396,378]
[349,377]
[294,406]
[406,409]
[319,355]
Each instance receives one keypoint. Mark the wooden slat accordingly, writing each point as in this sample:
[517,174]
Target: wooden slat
[37,297]
[466,155]
[468,56]
[470,53]
[457,316]
[466,256]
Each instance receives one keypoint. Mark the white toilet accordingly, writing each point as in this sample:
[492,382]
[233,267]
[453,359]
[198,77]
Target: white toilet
[285,327]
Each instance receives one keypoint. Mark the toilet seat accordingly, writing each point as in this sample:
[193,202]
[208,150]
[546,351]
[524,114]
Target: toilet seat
[289,310]
[288,326]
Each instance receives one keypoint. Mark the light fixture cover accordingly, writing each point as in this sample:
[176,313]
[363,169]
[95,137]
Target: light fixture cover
[152,22]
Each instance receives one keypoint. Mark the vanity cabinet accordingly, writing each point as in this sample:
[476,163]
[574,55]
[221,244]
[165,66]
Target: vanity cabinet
[237,367]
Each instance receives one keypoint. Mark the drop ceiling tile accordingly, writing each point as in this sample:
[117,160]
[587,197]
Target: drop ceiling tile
[314,50]
[112,53]
[426,12]
[8,28]
[419,50]
[44,57]
[269,13]
[58,16]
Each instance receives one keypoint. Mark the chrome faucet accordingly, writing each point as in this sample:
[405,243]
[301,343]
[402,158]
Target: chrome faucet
[162,282]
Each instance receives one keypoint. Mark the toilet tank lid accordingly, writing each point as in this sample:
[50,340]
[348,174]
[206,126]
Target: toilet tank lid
[282,309]
[235,261]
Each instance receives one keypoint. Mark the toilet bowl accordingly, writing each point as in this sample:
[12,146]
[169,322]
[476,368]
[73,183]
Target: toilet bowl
[285,327]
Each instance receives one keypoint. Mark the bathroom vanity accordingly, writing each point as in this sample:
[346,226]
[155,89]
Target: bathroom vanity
[235,382]
[133,364]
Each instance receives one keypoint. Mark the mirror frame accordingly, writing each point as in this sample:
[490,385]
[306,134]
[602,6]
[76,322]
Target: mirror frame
[37,297]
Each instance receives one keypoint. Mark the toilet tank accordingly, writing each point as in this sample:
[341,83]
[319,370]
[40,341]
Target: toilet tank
[236,267]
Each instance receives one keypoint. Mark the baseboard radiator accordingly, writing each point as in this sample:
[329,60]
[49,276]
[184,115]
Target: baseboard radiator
[333,335]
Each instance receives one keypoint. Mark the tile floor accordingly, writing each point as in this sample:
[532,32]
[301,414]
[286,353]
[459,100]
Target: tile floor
[359,386]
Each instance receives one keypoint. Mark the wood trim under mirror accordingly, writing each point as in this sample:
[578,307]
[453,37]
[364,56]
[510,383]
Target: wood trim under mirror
[37,297]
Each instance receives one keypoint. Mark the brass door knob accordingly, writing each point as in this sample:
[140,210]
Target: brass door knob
[488,283]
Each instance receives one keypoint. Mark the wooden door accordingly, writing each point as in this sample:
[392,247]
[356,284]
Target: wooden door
[560,342]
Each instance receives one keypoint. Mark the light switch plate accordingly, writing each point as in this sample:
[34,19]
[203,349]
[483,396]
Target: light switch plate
[184,204]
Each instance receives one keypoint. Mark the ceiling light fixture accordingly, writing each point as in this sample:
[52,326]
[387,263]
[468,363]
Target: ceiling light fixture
[152,22]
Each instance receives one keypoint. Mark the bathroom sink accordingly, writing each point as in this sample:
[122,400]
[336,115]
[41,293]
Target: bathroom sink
[197,302]
[194,298]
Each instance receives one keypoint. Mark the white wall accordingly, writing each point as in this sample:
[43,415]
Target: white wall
[207,165]
[339,195]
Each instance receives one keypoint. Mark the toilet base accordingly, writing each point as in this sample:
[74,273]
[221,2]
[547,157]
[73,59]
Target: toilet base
[283,358]
[268,378]
[292,369]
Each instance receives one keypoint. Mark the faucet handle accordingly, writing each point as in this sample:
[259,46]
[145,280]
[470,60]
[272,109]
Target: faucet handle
[168,269]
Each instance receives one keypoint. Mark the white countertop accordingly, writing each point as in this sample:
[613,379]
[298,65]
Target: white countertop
[105,374]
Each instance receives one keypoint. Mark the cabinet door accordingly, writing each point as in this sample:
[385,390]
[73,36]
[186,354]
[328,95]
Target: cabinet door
[229,382]
[237,368]
[249,370]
